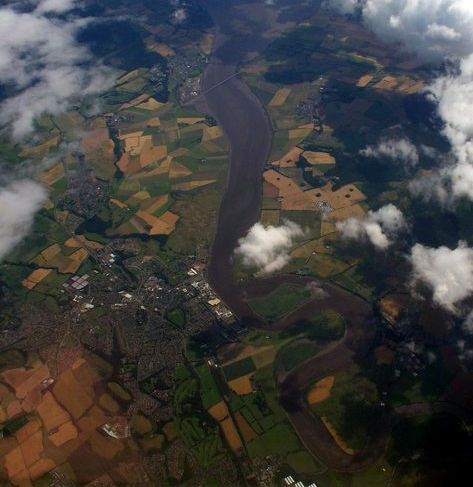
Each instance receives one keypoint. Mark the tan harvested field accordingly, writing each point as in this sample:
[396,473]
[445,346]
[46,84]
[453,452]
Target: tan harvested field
[246,430]
[73,395]
[239,351]
[138,197]
[164,50]
[26,431]
[345,196]
[338,439]
[65,433]
[104,446]
[127,77]
[300,133]
[41,467]
[81,241]
[153,122]
[51,413]
[50,435]
[150,154]
[151,104]
[118,203]
[219,411]
[270,217]
[35,277]
[42,149]
[290,159]
[293,198]
[26,382]
[164,167]
[364,80]
[136,101]
[16,468]
[189,120]
[326,228]
[49,253]
[152,205]
[211,133]
[96,139]
[321,390]
[280,97]
[410,87]
[53,175]
[318,157]
[94,418]
[190,185]
[32,448]
[74,262]
[269,190]
[242,385]
[255,69]
[387,83]
[178,170]
[353,211]
[231,435]
[165,224]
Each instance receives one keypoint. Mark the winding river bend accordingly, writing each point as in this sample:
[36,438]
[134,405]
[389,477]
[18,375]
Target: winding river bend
[245,122]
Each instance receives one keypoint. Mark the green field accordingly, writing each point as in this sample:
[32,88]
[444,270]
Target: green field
[294,354]
[177,317]
[352,408]
[237,369]
[209,391]
[279,440]
[302,463]
[280,302]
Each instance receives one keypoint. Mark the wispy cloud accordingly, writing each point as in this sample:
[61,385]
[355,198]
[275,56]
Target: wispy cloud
[19,200]
[42,63]
[378,227]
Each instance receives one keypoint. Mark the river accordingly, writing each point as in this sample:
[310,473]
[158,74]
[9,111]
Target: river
[246,124]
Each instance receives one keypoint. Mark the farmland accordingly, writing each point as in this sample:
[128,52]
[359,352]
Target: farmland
[280,302]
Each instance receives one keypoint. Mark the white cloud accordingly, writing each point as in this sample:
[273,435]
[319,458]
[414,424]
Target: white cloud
[343,6]
[377,226]
[267,249]
[19,202]
[435,30]
[40,57]
[432,29]
[448,273]
[400,150]
[56,6]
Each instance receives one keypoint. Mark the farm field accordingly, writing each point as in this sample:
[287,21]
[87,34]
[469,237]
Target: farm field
[50,419]
[349,410]
[280,302]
